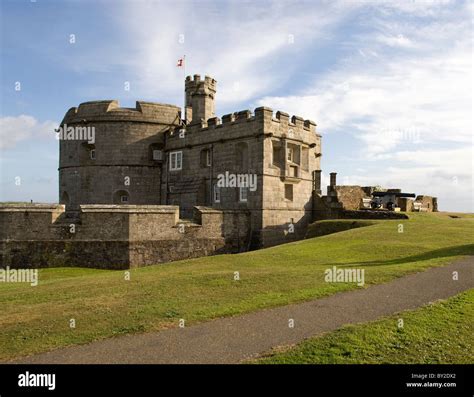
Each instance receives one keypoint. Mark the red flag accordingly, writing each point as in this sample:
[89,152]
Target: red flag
[180,63]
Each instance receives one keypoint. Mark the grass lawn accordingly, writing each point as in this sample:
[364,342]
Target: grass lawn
[440,333]
[104,304]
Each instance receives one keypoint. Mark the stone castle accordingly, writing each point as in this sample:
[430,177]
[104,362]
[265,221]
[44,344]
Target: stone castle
[156,185]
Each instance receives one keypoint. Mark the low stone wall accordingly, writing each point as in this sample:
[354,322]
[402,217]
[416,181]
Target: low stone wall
[30,221]
[369,214]
[112,236]
[145,253]
[63,253]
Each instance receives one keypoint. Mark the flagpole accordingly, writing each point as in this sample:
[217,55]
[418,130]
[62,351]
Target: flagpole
[184,73]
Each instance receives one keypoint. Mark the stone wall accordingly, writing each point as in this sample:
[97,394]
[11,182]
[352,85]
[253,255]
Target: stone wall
[428,203]
[405,204]
[371,214]
[350,196]
[233,144]
[115,236]
[30,221]
[123,161]
[246,143]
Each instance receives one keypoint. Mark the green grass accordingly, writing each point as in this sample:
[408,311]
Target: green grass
[36,319]
[440,333]
[323,228]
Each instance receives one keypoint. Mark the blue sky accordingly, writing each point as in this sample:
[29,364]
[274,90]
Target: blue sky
[388,83]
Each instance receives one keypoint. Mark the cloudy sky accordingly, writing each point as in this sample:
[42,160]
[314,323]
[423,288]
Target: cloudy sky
[389,84]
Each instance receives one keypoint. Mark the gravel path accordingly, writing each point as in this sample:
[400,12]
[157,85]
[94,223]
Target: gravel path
[231,340]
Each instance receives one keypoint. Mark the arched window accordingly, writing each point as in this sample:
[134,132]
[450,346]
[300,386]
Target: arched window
[121,197]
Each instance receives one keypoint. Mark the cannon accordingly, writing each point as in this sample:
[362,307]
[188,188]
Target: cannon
[387,199]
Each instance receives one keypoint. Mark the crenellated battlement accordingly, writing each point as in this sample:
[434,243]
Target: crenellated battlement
[196,81]
[200,97]
[242,125]
[110,110]
[262,114]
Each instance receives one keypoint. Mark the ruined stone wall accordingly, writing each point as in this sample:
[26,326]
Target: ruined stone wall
[428,203]
[405,204]
[350,197]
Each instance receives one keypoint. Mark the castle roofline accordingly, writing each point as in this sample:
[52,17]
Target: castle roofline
[110,110]
[260,113]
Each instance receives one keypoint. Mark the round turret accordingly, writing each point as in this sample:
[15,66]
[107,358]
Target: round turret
[113,155]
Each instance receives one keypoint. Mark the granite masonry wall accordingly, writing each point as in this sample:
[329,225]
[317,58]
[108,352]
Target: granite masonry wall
[119,160]
[114,236]
[282,153]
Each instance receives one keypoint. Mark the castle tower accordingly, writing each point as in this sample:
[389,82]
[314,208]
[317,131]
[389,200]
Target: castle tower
[200,95]
[123,162]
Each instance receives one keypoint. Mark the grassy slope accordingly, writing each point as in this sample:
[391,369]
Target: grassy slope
[323,228]
[441,333]
[36,319]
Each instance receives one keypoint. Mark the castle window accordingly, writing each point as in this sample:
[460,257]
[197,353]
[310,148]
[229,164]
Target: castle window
[217,194]
[155,151]
[121,197]
[176,161]
[293,153]
[206,158]
[243,194]
[157,155]
[289,192]
[277,154]
[290,154]
[242,156]
[87,152]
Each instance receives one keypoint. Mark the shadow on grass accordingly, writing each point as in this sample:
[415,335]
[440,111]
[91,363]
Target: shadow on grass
[467,249]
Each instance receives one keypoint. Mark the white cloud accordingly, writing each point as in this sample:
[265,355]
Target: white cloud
[239,44]
[404,97]
[238,47]
[395,41]
[409,100]
[14,129]
[405,93]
